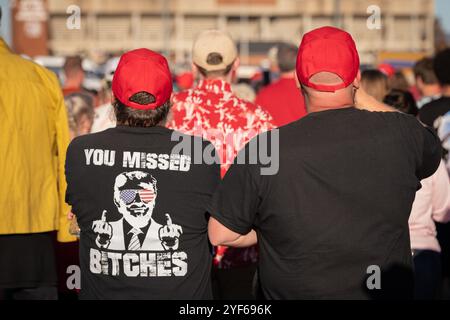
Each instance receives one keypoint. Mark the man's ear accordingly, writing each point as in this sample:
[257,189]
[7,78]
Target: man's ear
[296,80]
[233,73]
[195,71]
[357,81]
[419,82]
[236,63]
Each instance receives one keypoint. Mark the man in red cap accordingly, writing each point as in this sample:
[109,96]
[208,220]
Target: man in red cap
[333,222]
[136,198]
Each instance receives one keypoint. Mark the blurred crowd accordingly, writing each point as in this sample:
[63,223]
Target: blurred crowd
[422,91]
[87,89]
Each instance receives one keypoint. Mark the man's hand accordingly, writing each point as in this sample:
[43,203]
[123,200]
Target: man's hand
[74,228]
[170,234]
[103,230]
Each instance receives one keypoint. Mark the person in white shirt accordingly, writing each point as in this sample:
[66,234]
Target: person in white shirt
[426,82]
[432,204]
[104,114]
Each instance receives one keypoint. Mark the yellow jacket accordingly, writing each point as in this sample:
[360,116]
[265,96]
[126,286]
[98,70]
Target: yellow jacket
[34,136]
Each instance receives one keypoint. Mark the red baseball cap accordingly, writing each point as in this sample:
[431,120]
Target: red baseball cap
[387,69]
[142,70]
[327,49]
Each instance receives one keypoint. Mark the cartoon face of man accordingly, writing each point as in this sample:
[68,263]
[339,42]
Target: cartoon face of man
[135,197]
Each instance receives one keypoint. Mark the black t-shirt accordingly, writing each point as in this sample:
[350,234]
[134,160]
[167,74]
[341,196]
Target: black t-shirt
[338,205]
[141,199]
[432,111]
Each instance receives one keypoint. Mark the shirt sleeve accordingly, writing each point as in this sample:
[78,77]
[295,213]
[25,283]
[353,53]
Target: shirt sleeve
[431,155]
[69,168]
[441,195]
[425,117]
[235,202]
[62,141]
[75,174]
[264,121]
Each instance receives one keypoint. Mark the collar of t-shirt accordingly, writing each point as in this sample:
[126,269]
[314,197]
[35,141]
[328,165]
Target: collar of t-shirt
[217,86]
[137,130]
[325,110]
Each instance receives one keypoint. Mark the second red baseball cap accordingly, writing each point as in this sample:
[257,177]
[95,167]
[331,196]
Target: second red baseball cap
[330,50]
[387,69]
[142,70]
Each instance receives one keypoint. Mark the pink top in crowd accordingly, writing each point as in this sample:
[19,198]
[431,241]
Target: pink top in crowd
[432,204]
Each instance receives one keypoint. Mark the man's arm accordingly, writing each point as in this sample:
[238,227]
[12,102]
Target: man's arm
[234,206]
[219,235]
[440,197]
[431,152]
[62,142]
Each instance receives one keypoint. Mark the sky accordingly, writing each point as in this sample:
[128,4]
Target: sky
[4,26]
[443,12]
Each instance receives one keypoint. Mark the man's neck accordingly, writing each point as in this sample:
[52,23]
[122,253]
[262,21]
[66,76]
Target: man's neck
[314,109]
[162,123]
[287,75]
[72,83]
[328,101]
[224,78]
[431,90]
[446,91]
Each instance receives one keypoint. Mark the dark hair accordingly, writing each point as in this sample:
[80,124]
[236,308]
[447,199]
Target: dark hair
[214,58]
[375,83]
[442,67]
[140,118]
[423,69]
[403,101]
[398,81]
[216,73]
[287,57]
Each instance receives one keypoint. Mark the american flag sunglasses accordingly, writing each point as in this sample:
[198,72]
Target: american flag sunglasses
[128,195]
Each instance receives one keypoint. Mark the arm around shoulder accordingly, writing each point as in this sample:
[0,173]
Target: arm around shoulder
[221,235]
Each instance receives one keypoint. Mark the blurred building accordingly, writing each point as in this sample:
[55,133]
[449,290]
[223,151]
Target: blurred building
[171,25]
[5,23]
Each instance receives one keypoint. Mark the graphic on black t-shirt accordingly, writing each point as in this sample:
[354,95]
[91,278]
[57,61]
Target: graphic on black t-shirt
[141,199]
[135,198]
[149,244]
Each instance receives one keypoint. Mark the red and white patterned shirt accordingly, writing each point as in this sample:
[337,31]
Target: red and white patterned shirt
[211,110]
[214,112]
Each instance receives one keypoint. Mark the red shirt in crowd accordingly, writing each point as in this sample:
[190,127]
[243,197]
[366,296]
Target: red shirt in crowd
[283,100]
[211,110]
